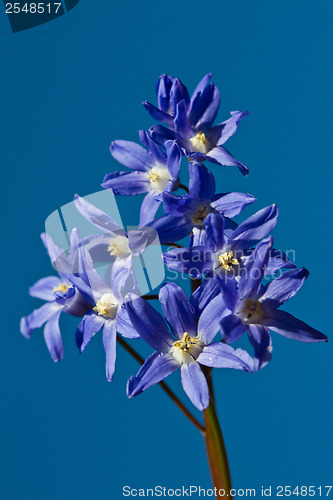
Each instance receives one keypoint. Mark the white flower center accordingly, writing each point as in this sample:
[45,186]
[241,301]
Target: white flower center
[119,247]
[107,306]
[187,349]
[200,143]
[159,178]
[249,311]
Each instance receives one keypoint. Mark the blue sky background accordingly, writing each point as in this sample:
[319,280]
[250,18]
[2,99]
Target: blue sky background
[70,87]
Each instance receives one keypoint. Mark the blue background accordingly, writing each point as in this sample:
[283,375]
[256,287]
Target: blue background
[67,89]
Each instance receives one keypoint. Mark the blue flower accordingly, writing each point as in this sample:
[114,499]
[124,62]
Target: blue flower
[154,172]
[254,307]
[190,121]
[106,311]
[186,346]
[188,213]
[115,246]
[60,295]
[227,251]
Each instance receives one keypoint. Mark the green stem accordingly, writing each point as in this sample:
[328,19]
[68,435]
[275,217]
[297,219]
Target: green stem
[215,447]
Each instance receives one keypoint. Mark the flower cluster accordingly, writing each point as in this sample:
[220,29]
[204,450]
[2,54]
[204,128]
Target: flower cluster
[240,279]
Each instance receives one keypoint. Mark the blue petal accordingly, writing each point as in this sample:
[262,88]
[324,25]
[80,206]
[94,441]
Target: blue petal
[202,182]
[149,208]
[229,288]
[158,114]
[219,355]
[278,291]
[156,368]
[163,89]
[182,126]
[38,317]
[221,133]
[195,385]
[177,310]
[255,228]
[214,225]
[158,154]
[174,157]
[127,183]
[132,155]
[162,134]
[254,271]
[170,228]
[209,321]
[287,325]
[109,342]
[194,261]
[124,324]
[278,260]
[232,328]
[205,108]
[201,86]
[89,326]
[53,338]
[149,324]
[261,341]
[231,204]
[204,294]
[94,215]
[178,205]
[43,288]
[178,93]
[221,156]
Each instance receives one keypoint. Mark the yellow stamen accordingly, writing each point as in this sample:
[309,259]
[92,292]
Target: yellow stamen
[200,142]
[227,260]
[185,343]
[61,288]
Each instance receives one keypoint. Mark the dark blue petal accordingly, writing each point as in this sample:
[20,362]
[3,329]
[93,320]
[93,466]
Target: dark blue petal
[287,325]
[156,368]
[149,324]
[178,205]
[158,114]
[228,285]
[178,93]
[170,228]
[182,126]
[231,204]
[283,288]
[255,228]
[162,134]
[221,156]
[219,355]
[205,108]
[201,86]
[149,208]
[261,341]
[202,182]
[132,155]
[194,261]
[278,260]
[232,328]
[195,385]
[204,294]
[177,310]
[163,88]
[174,158]
[127,183]
[157,153]
[109,342]
[214,225]
[53,338]
[254,271]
